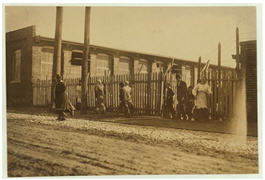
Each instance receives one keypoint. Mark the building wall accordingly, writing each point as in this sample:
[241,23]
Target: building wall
[37,57]
[70,71]
[249,56]
[36,63]
[19,92]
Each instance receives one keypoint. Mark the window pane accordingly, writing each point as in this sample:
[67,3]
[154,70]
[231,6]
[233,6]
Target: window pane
[46,65]
[16,65]
[103,64]
[142,67]
[124,66]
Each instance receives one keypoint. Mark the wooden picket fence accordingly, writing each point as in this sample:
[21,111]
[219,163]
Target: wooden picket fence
[147,92]
[42,91]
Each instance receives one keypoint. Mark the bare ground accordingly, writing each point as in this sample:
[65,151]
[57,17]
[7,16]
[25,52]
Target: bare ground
[41,146]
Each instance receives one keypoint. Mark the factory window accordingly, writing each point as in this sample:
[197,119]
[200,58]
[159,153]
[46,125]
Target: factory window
[124,65]
[16,66]
[102,65]
[77,57]
[142,67]
[46,64]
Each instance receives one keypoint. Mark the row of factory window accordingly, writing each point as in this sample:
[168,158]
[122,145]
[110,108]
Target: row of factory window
[103,66]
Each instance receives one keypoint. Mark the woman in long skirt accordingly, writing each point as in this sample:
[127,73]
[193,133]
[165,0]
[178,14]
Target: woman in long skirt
[60,98]
[201,91]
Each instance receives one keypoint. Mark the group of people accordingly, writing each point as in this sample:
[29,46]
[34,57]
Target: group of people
[63,105]
[191,102]
[125,96]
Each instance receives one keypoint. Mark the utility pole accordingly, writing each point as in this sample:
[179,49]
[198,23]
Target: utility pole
[199,69]
[85,61]
[219,80]
[237,49]
[56,68]
[219,62]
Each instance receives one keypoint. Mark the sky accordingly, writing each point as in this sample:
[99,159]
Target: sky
[180,32]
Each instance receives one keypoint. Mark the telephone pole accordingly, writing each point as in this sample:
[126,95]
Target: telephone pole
[219,81]
[219,62]
[199,69]
[237,49]
[56,68]
[85,61]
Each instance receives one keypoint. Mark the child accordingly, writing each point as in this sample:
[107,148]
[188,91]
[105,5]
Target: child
[170,102]
[121,97]
[190,103]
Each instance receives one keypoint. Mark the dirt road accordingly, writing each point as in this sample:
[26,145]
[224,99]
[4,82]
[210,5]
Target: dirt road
[36,149]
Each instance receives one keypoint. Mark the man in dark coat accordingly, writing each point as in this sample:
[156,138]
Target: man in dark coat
[60,98]
[181,97]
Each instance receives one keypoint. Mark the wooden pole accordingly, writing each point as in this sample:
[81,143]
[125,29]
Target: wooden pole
[56,68]
[199,69]
[237,49]
[219,62]
[85,61]
[219,80]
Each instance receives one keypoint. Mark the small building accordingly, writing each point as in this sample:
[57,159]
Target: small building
[248,61]
[29,58]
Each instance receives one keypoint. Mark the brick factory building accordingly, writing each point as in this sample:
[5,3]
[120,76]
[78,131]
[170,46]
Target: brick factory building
[29,58]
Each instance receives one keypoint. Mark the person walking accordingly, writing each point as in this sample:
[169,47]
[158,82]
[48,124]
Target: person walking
[121,97]
[201,91]
[127,90]
[78,95]
[181,97]
[100,96]
[169,107]
[60,98]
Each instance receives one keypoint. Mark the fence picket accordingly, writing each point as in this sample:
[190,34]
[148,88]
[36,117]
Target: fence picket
[147,92]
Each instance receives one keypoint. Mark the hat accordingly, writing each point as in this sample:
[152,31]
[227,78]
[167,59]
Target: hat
[126,82]
[169,84]
[99,81]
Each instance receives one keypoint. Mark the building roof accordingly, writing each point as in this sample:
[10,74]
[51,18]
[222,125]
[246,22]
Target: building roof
[107,49]
[251,42]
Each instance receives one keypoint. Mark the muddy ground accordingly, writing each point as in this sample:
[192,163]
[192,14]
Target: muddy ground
[42,146]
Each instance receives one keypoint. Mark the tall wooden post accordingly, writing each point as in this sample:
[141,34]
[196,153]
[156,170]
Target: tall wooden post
[56,68]
[237,49]
[199,69]
[149,86]
[219,62]
[85,61]
[219,81]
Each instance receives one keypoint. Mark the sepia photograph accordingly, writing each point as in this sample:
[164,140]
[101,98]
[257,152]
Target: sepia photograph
[131,90]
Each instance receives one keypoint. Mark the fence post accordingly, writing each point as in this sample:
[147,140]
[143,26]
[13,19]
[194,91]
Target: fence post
[149,75]
[161,81]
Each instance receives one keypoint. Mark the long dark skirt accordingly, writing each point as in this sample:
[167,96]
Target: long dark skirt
[63,104]
[201,114]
